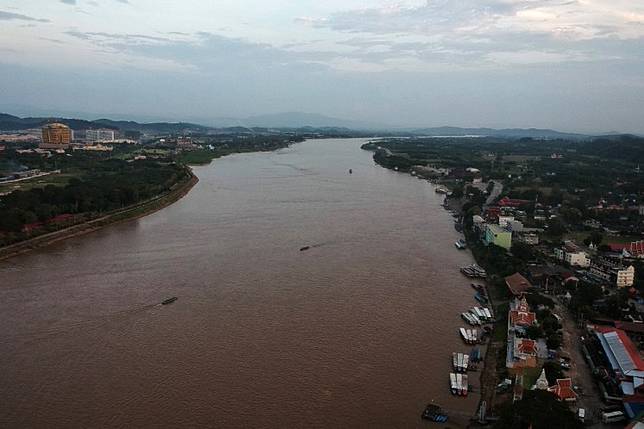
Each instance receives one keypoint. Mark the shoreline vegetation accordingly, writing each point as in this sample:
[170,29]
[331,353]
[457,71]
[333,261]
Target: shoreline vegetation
[136,211]
[97,190]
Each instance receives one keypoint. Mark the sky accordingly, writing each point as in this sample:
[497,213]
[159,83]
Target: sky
[572,65]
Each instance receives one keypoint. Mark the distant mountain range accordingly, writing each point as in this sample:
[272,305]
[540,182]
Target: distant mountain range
[491,132]
[291,120]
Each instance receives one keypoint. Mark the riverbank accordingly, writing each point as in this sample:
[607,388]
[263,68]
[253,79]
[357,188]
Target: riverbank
[132,212]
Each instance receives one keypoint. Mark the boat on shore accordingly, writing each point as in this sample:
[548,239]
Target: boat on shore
[475,355]
[461,244]
[474,271]
[169,301]
[470,336]
[471,318]
[453,383]
[460,362]
[480,298]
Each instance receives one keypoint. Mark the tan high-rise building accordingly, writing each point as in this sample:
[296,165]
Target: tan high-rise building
[56,136]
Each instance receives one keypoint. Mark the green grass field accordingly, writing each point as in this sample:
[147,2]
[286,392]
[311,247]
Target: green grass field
[59,179]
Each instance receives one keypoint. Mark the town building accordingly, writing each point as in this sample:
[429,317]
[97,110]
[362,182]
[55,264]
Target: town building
[563,390]
[95,148]
[100,135]
[494,234]
[625,366]
[510,202]
[520,316]
[504,219]
[56,136]
[517,284]
[572,255]
[522,352]
[613,272]
[634,249]
[527,237]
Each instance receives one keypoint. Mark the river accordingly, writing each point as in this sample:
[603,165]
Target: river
[358,331]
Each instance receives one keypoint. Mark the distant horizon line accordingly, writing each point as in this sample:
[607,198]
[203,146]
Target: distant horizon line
[358,125]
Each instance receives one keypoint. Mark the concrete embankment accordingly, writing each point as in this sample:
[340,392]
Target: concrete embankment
[127,213]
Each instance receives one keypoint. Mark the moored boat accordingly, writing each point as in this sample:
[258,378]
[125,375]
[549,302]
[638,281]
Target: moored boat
[464,335]
[434,413]
[464,385]
[452,382]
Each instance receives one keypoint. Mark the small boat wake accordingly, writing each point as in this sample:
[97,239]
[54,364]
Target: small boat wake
[90,324]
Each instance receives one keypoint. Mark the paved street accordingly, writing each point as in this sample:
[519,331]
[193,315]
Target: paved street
[589,395]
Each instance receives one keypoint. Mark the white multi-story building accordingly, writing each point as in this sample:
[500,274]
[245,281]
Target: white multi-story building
[100,135]
[614,272]
[572,255]
[578,259]
[626,277]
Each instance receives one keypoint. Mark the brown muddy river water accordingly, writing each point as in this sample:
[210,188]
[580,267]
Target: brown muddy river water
[357,332]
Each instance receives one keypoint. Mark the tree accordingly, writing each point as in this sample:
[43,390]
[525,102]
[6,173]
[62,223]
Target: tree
[523,251]
[538,409]
[553,341]
[534,332]
[571,214]
[556,228]
[595,237]
[553,371]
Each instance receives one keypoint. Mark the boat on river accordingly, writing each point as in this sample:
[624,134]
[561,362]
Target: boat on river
[470,336]
[302,249]
[480,298]
[434,413]
[169,300]
[453,383]
[474,271]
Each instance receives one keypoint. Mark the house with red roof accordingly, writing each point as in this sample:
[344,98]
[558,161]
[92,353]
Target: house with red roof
[634,249]
[521,316]
[625,366]
[563,390]
[517,284]
[511,202]
[521,352]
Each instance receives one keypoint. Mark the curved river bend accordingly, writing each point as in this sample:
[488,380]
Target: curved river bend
[355,332]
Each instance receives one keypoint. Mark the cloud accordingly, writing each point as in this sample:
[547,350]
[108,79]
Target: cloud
[202,51]
[487,32]
[72,2]
[10,16]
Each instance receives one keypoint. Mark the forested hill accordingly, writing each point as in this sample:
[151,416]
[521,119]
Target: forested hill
[10,123]
[625,147]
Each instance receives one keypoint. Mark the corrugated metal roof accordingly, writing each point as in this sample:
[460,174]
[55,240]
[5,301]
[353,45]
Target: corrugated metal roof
[607,350]
[617,347]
